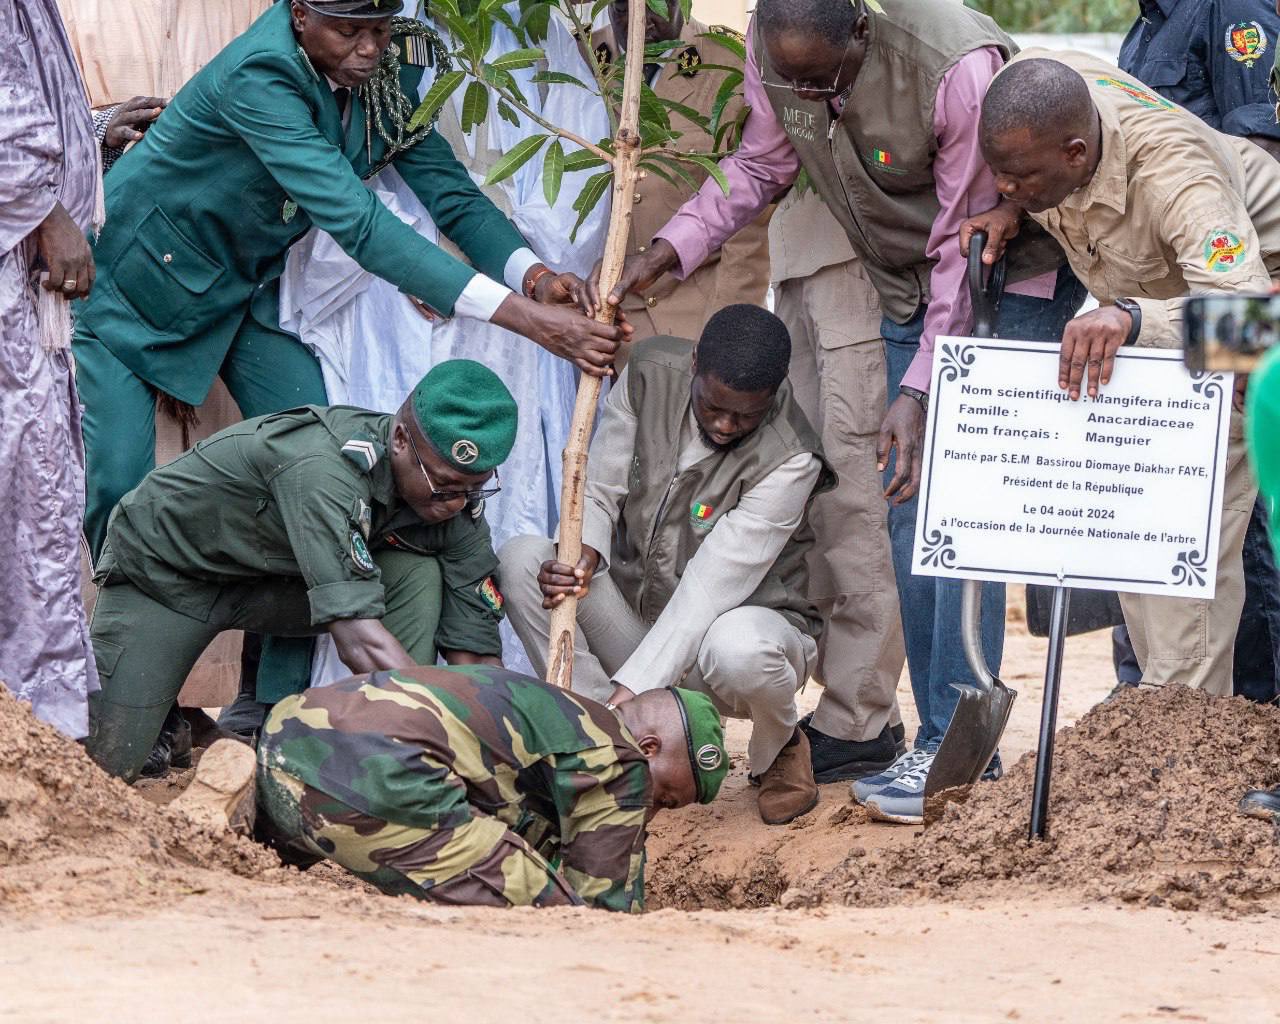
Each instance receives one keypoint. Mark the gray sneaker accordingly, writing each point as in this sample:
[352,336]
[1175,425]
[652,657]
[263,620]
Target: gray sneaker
[902,801]
[863,788]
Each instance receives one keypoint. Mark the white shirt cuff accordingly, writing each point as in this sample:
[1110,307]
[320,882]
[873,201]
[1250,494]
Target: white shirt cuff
[518,264]
[481,298]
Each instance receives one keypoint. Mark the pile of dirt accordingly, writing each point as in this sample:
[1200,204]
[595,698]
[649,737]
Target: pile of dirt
[1143,810]
[62,820]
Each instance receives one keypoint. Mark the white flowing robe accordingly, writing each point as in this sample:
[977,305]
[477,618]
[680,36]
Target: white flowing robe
[374,346]
[48,154]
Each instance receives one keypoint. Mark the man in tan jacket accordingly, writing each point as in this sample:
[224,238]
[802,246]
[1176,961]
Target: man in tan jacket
[739,272]
[1151,206]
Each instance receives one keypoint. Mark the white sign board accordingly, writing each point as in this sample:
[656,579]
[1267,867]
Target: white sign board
[1122,492]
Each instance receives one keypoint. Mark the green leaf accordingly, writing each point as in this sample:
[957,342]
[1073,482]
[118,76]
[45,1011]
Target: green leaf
[507,113]
[712,168]
[688,113]
[660,48]
[536,19]
[652,109]
[725,93]
[559,78]
[668,178]
[500,14]
[502,80]
[662,8]
[590,195]
[464,36]
[552,172]
[515,158]
[686,8]
[596,8]
[517,59]
[731,43]
[475,104]
[581,160]
[437,96]
[674,166]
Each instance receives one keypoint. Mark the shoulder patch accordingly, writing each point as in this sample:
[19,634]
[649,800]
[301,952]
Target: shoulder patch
[490,594]
[1246,42]
[360,556]
[364,451]
[1148,99]
[1224,251]
[416,51]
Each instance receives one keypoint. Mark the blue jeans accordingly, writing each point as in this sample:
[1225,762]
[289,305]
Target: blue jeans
[931,605]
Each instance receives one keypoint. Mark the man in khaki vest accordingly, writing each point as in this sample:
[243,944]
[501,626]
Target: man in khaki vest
[739,272]
[877,101]
[822,293]
[1151,205]
[695,537]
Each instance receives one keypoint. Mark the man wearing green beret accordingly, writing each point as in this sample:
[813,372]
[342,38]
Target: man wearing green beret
[272,137]
[479,786]
[365,526]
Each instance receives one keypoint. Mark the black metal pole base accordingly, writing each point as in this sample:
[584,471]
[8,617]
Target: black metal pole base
[1049,712]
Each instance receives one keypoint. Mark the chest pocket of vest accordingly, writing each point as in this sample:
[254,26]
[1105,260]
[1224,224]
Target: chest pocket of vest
[1176,74]
[162,270]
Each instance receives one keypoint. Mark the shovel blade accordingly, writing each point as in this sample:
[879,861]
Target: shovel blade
[970,743]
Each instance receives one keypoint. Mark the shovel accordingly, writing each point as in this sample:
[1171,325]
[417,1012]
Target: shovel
[983,711]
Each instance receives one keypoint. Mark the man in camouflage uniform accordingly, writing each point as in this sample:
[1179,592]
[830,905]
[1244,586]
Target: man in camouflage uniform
[478,786]
[365,526]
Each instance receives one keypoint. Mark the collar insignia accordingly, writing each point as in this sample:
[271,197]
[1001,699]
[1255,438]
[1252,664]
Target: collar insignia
[689,61]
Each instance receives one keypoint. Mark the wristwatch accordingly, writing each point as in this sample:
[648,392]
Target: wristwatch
[1135,314]
[920,396]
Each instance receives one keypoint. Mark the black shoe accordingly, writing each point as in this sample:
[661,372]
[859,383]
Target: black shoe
[839,760]
[899,734]
[1262,803]
[172,748]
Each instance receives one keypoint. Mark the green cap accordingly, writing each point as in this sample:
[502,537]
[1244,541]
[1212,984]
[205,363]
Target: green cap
[467,413]
[356,8]
[705,736]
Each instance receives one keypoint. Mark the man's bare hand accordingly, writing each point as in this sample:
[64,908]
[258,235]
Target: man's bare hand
[131,119]
[366,645]
[1001,223]
[559,289]
[903,429]
[66,255]
[1089,347]
[640,272]
[565,332]
[557,580]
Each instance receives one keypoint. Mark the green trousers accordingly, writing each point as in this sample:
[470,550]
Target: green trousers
[266,370]
[144,649]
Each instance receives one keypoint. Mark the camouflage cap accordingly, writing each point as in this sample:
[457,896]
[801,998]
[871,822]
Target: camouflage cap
[356,8]
[705,736]
[467,413]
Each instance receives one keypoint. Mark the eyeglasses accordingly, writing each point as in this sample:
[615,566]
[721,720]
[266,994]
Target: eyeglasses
[808,87]
[474,494]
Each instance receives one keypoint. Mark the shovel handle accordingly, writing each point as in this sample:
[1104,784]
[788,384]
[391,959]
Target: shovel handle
[985,291]
[971,634]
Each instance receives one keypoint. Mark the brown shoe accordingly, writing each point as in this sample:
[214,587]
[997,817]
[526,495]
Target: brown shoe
[787,789]
[221,795]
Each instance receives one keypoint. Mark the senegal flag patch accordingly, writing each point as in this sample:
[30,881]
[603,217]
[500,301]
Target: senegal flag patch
[1223,251]
[491,595]
[700,514]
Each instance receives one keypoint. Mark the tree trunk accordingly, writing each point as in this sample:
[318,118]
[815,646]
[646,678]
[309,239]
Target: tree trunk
[625,169]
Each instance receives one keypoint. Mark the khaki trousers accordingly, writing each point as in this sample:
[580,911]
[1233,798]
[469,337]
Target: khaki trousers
[750,663]
[1192,642]
[838,375]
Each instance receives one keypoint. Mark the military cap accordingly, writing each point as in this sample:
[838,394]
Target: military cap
[705,736]
[467,413]
[356,8]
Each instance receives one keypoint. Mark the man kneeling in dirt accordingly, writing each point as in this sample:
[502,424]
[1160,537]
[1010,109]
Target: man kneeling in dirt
[479,786]
[366,526]
[694,541]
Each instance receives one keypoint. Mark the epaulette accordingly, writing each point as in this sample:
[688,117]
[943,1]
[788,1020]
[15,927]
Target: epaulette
[604,55]
[416,51]
[364,450]
[732,33]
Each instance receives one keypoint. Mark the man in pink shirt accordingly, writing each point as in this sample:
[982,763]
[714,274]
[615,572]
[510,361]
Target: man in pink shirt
[879,103]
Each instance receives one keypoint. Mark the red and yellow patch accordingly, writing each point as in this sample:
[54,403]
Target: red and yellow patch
[1148,99]
[490,594]
[1223,251]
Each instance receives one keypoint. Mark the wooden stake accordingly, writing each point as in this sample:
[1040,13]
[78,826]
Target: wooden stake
[625,169]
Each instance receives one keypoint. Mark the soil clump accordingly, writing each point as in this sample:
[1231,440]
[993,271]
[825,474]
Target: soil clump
[1142,810]
[67,828]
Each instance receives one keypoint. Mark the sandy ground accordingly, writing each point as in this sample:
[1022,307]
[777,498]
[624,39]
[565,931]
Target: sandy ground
[307,948]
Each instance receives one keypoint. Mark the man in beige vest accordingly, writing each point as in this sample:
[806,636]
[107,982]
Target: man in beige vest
[822,293]
[739,272]
[1151,205]
[695,537]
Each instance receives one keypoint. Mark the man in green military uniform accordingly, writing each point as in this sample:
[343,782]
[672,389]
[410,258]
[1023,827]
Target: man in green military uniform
[272,137]
[480,786]
[366,526]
